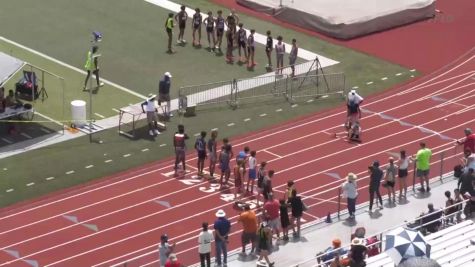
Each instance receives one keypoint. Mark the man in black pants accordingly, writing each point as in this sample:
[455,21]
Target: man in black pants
[376,174]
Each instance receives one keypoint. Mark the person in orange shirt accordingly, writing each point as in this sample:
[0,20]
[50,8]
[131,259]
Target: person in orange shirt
[249,229]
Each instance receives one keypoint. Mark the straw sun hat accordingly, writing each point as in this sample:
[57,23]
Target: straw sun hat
[351,177]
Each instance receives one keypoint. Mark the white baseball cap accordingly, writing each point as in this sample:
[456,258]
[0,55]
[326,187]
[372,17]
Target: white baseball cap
[168,74]
[220,213]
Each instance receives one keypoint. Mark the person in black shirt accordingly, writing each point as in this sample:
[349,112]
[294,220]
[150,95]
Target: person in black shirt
[209,22]
[242,39]
[181,18]
[376,174]
[200,146]
[219,30]
[180,147]
[229,47]
[269,47]
[196,24]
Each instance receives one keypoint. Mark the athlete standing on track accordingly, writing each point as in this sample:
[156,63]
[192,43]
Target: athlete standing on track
[213,155]
[209,22]
[196,25]
[242,38]
[165,249]
[293,56]
[251,48]
[279,52]
[269,47]
[181,18]
[180,147]
[353,106]
[219,30]
[200,146]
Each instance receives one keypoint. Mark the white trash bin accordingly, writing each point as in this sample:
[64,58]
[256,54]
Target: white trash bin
[78,112]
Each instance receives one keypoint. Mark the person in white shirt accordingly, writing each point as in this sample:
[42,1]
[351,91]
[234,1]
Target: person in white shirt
[350,191]
[152,118]
[204,245]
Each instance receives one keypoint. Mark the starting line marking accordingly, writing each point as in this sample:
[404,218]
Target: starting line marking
[89,166]
[278,110]
[7,141]
[70,172]
[30,184]
[49,178]
[399,74]
[384,78]
[45,130]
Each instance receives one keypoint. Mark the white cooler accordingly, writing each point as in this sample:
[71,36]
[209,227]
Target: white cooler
[78,112]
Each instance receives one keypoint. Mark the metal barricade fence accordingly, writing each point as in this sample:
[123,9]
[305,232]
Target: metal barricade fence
[206,94]
[315,86]
[260,87]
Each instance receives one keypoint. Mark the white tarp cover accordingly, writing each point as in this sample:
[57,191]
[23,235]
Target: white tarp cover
[8,67]
[345,18]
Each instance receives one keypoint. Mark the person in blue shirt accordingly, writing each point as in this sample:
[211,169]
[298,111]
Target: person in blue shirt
[200,146]
[222,227]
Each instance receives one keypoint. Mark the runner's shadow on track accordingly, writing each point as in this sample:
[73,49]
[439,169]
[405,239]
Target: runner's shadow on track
[247,257]
[420,195]
[403,201]
[375,215]
[350,222]
[390,205]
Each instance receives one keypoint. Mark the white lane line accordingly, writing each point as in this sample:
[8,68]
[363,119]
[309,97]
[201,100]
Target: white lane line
[9,190]
[294,106]
[107,161]
[25,135]
[49,178]
[214,129]
[412,76]
[263,115]
[231,124]
[5,169]
[413,70]
[70,172]
[162,145]
[384,78]
[325,96]
[355,87]
[89,166]
[399,74]
[368,83]
[410,88]
[310,101]
[196,134]
[45,130]
[247,119]
[71,67]
[116,110]
[126,155]
[145,149]
[99,115]
[278,110]
[7,140]
[30,184]
[273,154]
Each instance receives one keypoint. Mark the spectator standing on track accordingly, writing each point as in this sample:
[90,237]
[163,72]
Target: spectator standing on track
[297,208]
[249,223]
[402,172]
[350,191]
[271,214]
[164,93]
[279,52]
[200,146]
[204,248]
[180,148]
[196,26]
[222,227]
[390,179]
[261,174]
[251,49]
[252,163]
[423,165]
[242,38]
[219,30]
[264,239]
[284,219]
[165,249]
[468,141]
[169,28]
[224,158]
[269,47]
[181,18]
[152,118]
[293,56]
[213,154]
[376,174]
[209,22]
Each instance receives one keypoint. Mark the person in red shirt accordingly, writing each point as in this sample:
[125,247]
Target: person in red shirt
[173,261]
[468,141]
[271,213]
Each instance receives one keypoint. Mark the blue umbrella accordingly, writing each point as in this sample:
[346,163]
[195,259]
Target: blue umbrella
[403,243]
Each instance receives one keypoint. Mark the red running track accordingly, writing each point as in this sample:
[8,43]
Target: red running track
[119,218]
